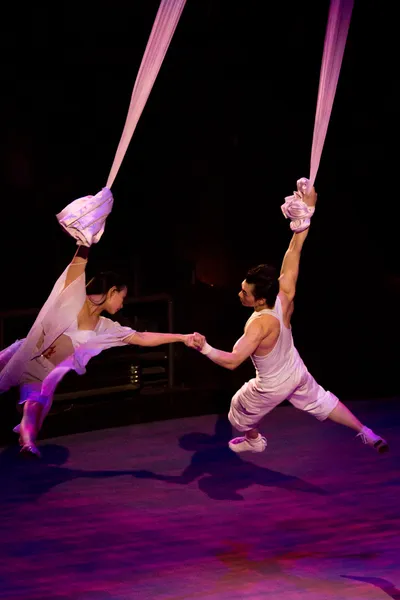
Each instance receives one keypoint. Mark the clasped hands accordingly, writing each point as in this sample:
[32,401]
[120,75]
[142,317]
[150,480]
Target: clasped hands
[195,340]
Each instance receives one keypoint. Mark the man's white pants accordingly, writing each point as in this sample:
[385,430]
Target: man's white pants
[250,404]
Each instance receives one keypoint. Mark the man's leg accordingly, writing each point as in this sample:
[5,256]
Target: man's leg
[247,409]
[342,415]
[312,397]
[252,434]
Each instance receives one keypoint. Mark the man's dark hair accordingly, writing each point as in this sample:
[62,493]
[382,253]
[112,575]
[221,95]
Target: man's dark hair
[266,284]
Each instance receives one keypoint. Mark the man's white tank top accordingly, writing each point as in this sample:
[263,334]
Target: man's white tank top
[283,361]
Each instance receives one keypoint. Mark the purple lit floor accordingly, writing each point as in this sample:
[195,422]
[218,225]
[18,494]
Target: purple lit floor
[165,511]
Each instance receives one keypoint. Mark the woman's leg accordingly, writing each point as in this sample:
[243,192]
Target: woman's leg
[30,426]
[33,404]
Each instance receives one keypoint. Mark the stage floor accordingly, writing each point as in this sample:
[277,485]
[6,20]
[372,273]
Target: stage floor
[165,511]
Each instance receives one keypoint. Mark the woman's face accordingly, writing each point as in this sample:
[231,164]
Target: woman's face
[115,300]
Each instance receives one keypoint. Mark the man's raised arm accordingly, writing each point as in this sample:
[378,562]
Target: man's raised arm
[291,261]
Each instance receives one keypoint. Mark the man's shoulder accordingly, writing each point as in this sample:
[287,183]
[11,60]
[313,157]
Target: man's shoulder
[262,322]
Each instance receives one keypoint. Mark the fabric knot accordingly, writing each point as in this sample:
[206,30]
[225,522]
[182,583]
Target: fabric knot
[296,209]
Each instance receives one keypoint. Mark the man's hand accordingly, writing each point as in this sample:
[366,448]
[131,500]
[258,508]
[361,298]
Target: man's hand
[195,341]
[310,198]
[199,341]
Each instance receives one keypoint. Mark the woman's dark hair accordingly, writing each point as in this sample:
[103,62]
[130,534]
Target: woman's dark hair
[265,281]
[103,282]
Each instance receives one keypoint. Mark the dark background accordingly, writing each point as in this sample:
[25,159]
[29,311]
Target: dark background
[225,134]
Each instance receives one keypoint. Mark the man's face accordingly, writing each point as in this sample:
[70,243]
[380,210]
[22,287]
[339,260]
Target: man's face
[246,294]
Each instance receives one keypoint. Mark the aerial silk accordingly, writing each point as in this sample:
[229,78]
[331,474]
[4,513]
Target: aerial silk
[335,42]
[84,218]
[337,29]
[164,27]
